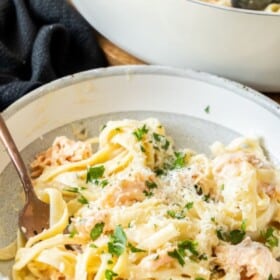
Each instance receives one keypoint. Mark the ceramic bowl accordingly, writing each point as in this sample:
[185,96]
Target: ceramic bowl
[178,98]
[242,45]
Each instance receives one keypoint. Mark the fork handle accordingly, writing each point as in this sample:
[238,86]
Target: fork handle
[16,158]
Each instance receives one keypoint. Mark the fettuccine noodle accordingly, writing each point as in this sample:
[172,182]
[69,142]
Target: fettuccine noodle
[137,208]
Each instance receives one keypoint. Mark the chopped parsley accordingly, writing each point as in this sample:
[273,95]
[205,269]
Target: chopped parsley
[96,231]
[93,246]
[142,149]
[222,187]
[140,132]
[270,277]
[175,215]
[206,197]
[157,137]
[82,200]
[150,185]
[73,233]
[234,236]
[207,109]
[162,140]
[109,274]
[94,173]
[189,205]
[166,145]
[271,240]
[148,193]
[213,220]
[72,189]
[199,278]
[180,252]
[159,171]
[175,254]
[104,183]
[117,243]
[134,249]
[179,161]
[189,245]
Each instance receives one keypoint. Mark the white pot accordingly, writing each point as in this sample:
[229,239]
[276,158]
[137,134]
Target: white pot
[238,44]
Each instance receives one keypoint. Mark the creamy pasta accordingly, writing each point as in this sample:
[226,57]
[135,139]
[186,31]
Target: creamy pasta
[137,208]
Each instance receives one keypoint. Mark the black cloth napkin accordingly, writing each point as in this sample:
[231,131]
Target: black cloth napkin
[42,40]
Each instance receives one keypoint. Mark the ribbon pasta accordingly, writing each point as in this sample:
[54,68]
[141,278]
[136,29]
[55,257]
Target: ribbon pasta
[137,208]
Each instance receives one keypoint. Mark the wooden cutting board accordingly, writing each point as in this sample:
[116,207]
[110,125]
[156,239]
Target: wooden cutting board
[117,56]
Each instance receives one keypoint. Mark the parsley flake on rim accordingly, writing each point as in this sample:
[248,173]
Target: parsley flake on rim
[140,132]
[94,173]
[118,241]
[96,231]
[207,109]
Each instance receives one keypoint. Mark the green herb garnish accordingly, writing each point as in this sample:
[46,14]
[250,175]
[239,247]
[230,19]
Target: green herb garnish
[140,132]
[190,246]
[157,137]
[82,200]
[177,255]
[104,183]
[234,236]
[117,243]
[72,189]
[179,161]
[175,215]
[96,231]
[109,274]
[206,197]
[207,109]
[134,249]
[180,252]
[151,185]
[73,233]
[148,193]
[166,145]
[271,240]
[94,173]
[189,205]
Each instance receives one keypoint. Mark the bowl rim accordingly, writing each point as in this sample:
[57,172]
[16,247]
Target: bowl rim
[234,87]
[233,9]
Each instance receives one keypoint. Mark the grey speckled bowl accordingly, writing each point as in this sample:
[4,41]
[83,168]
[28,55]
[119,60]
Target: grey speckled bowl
[177,98]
